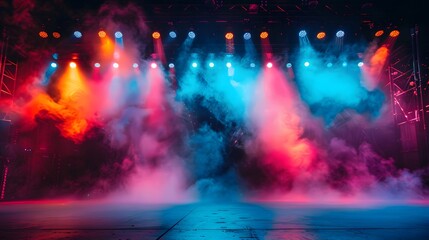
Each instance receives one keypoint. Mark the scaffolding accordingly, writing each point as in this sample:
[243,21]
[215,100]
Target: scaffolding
[8,77]
[408,105]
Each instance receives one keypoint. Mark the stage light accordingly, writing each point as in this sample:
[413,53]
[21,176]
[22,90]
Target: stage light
[56,35]
[379,33]
[360,64]
[191,34]
[321,35]
[340,34]
[102,34]
[53,65]
[72,65]
[228,65]
[115,65]
[194,64]
[43,34]
[252,65]
[394,33]
[264,35]
[153,65]
[269,65]
[55,56]
[329,65]
[288,65]
[171,65]
[211,64]
[156,35]
[247,36]
[306,64]
[229,36]
[135,65]
[77,34]
[97,65]
[344,64]
[172,34]
[302,33]
[118,34]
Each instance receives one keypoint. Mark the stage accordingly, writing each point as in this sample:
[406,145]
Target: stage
[234,220]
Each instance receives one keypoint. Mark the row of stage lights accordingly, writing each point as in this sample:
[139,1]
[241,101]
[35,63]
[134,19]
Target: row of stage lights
[210,65]
[228,35]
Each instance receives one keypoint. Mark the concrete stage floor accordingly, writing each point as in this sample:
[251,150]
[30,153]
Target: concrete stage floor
[238,220]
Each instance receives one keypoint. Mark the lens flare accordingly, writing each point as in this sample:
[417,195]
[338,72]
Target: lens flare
[379,33]
[191,35]
[43,34]
[172,34]
[247,36]
[102,34]
[77,34]
[340,34]
[156,35]
[118,34]
[321,35]
[394,33]
[229,36]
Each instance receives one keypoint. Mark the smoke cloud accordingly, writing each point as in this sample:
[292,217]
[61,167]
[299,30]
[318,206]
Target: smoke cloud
[226,133]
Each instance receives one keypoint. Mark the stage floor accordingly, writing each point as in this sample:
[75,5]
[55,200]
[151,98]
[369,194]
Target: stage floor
[238,220]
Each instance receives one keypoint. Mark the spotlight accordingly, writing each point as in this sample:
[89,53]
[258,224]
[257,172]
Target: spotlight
[135,65]
[115,65]
[288,65]
[340,34]
[329,65]
[229,36]
[264,35]
[379,33]
[172,34]
[171,65]
[394,33]
[56,35]
[191,35]
[228,65]
[72,64]
[153,65]
[247,36]
[118,34]
[344,64]
[269,65]
[55,56]
[77,34]
[43,34]
[102,34]
[302,33]
[306,64]
[194,64]
[252,65]
[360,64]
[156,35]
[321,35]
[97,65]
[53,65]
[211,64]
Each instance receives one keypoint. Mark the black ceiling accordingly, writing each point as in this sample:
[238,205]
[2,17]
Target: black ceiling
[24,18]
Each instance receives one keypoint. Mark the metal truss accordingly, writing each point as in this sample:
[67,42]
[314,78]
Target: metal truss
[8,76]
